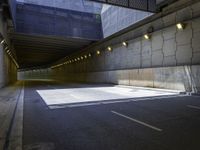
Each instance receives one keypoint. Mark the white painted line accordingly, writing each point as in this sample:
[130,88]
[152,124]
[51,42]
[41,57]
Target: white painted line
[137,121]
[195,107]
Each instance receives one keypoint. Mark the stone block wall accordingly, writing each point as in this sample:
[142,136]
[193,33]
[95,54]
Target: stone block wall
[170,59]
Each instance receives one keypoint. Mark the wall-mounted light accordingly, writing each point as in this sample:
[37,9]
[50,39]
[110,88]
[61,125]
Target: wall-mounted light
[6,48]
[109,48]
[3,41]
[147,36]
[85,56]
[180,26]
[98,52]
[78,58]
[125,44]
[90,55]
[82,57]
[75,59]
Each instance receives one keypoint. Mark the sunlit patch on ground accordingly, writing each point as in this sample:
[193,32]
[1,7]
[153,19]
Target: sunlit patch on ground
[90,95]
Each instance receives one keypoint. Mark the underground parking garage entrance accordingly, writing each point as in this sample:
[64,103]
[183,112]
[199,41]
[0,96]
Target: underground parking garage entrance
[91,74]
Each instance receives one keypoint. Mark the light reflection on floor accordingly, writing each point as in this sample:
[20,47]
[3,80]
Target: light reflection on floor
[84,95]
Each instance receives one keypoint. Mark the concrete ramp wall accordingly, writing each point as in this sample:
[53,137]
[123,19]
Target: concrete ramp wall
[169,59]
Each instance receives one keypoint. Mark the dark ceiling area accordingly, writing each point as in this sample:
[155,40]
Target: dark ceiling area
[38,51]
[42,35]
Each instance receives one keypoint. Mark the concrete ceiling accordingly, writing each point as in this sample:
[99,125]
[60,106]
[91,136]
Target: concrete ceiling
[37,51]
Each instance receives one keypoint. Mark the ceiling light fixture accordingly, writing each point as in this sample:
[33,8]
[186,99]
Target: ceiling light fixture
[98,52]
[109,48]
[125,44]
[147,36]
[180,26]
[3,41]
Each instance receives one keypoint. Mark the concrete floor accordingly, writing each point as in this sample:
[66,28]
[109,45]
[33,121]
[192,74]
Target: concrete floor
[108,118]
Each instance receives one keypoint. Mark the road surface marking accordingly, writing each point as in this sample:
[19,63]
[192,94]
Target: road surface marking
[195,107]
[137,121]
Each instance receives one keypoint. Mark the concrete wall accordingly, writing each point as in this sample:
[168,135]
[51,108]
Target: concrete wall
[43,20]
[42,74]
[116,18]
[170,59]
[183,78]
[8,70]
[76,5]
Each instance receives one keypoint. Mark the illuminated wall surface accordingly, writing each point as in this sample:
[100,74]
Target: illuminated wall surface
[76,5]
[116,18]
[72,19]
[76,18]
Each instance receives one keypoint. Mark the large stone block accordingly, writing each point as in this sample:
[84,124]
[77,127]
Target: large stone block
[157,41]
[134,77]
[195,25]
[135,46]
[184,36]
[195,9]
[123,77]
[195,41]
[169,47]
[196,58]
[169,60]
[112,77]
[137,62]
[146,42]
[171,78]
[157,58]
[169,33]
[196,78]
[145,77]
[146,63]
[184,54]
[146,51]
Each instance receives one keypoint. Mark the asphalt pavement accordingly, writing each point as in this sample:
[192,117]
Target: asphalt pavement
[109,118]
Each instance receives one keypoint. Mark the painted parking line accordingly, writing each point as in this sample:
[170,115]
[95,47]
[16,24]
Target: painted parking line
[195,107]
[137,121]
